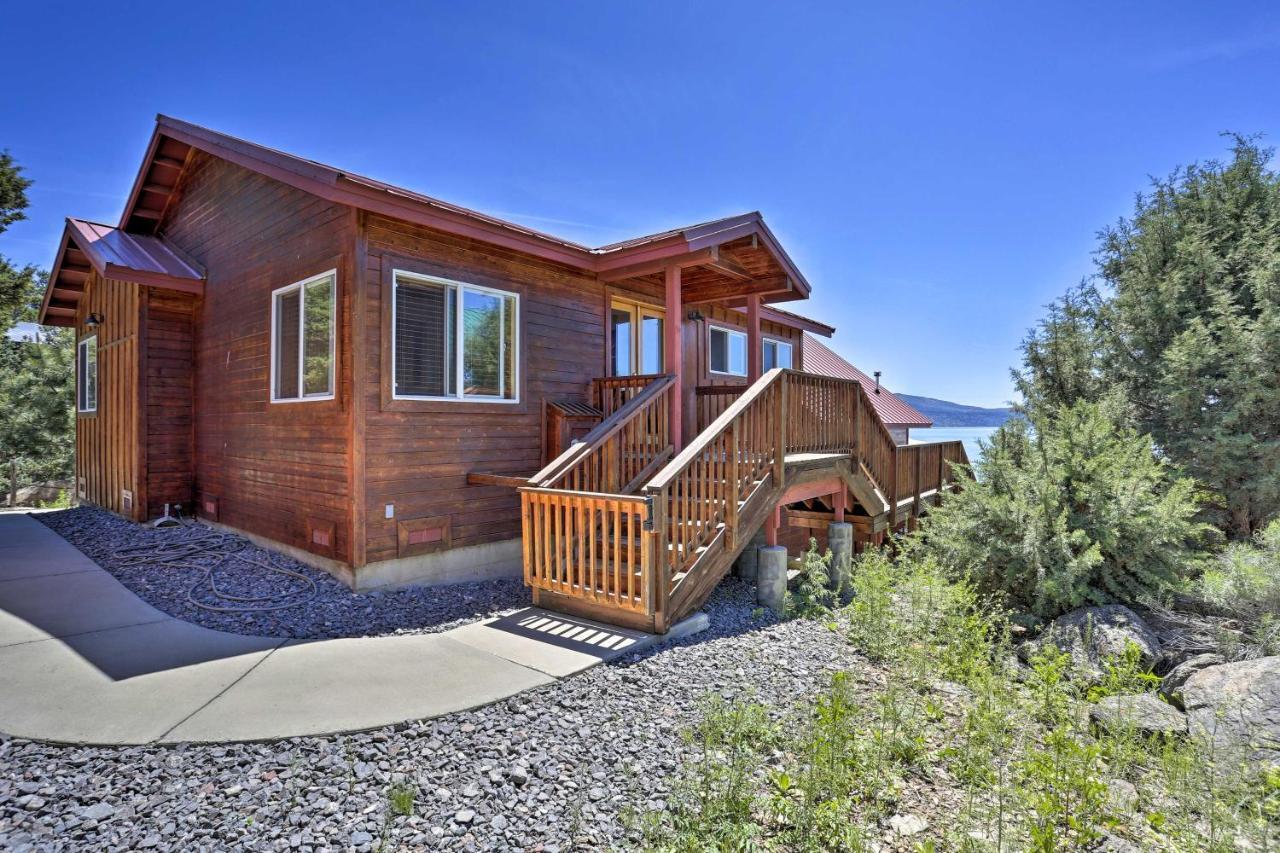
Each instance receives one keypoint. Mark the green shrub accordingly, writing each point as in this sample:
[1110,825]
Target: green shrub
[1069,511]
[1246,579]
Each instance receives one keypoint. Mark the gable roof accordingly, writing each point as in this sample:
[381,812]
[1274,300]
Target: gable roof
[820,359]
[173,139]
[115,254]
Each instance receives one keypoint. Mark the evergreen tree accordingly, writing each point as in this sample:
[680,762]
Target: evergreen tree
[1184,322]
[1069,508]
[37,379]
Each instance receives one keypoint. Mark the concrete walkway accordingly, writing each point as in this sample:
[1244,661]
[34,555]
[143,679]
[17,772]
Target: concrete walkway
[84,660]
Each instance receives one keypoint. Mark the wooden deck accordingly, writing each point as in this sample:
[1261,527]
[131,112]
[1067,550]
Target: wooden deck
[620,529]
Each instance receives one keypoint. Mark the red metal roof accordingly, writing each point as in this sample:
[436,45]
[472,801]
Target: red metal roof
[792,319]
[370,194]
[118,254]
[115,254]
[820,359]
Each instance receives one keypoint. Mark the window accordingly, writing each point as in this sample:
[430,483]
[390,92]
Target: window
[776,354]
[728,352]
[453,341]
[87,374]
[636,332]
[302,339]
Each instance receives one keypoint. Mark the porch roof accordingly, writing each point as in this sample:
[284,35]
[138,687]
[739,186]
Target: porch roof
[112,253]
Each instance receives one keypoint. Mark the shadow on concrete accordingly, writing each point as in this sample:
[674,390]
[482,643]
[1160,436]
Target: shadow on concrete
[569,632]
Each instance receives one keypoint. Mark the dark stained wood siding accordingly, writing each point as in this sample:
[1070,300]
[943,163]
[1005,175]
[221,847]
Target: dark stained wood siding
[168,388]
[279,469]
[107,448]
[418,454]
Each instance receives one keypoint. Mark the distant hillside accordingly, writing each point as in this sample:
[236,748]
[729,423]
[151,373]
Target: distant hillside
[947,414]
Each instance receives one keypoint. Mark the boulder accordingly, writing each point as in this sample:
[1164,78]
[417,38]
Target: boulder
[1171,684]
[1091,635]
[1143,713]
[1237,705]
[41,493]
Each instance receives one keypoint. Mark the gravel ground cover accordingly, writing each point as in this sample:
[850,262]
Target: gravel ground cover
[557,768]
[307,603]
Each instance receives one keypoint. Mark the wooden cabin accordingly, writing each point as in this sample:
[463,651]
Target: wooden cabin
[397,389]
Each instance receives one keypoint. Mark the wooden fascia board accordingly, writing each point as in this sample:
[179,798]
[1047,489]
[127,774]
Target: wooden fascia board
[376,200]
[773,288]
[54,271]
[660,250]
[153,279]
[140,178]
[336,187]
[687,259]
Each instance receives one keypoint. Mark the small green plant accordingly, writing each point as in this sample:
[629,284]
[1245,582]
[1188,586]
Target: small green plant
[401,797]
[813,597]
[1124,674]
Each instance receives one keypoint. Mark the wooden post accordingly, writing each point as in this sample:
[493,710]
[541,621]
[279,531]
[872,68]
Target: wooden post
[840,501]
[780,427]
[673,332]
[891,489]
[755,346]
[771,526]
[915,507]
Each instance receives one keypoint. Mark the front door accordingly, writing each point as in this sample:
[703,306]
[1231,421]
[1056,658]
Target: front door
[635,335]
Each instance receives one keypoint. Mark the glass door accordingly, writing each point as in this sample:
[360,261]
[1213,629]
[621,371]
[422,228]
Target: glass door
[635,335]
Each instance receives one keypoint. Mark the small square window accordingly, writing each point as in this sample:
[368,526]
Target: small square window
[776,354]
[728,352]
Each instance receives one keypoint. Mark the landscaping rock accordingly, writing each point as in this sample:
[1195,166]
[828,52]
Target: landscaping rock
[577,790]
[1091,635]
[1144,713]
[1171,685]
[1237,705]
[326,610]
[908,824]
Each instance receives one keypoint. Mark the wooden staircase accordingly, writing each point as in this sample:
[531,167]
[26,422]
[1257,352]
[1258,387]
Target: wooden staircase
[617,528]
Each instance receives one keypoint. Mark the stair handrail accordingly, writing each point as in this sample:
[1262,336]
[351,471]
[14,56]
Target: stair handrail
[714,429]
[600,435]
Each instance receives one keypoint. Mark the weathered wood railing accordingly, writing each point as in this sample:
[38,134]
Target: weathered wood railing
[588,546]
[622,451]
[610,393]
[710,401]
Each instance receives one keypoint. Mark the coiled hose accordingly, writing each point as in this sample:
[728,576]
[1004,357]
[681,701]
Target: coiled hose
[192,546]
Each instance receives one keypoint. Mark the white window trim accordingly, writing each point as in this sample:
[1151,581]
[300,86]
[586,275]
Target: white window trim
[302,313]
[82,358]
[777,342]
[746,352]
[459,343]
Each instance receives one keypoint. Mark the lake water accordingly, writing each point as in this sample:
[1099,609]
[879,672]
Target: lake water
[969,435]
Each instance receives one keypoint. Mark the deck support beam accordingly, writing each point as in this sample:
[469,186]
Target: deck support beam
[672,331]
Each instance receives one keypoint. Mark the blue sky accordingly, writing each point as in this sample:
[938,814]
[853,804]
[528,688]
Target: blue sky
[938,171]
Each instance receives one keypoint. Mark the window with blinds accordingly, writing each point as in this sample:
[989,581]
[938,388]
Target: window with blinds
[453,341]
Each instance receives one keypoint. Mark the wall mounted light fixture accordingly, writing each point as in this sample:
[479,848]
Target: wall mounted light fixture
[93,321]
[695,315]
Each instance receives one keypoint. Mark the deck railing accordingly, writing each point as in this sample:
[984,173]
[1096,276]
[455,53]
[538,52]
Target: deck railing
[589,546]
[622,451]
[587,537]
[610,393]
[710,401]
